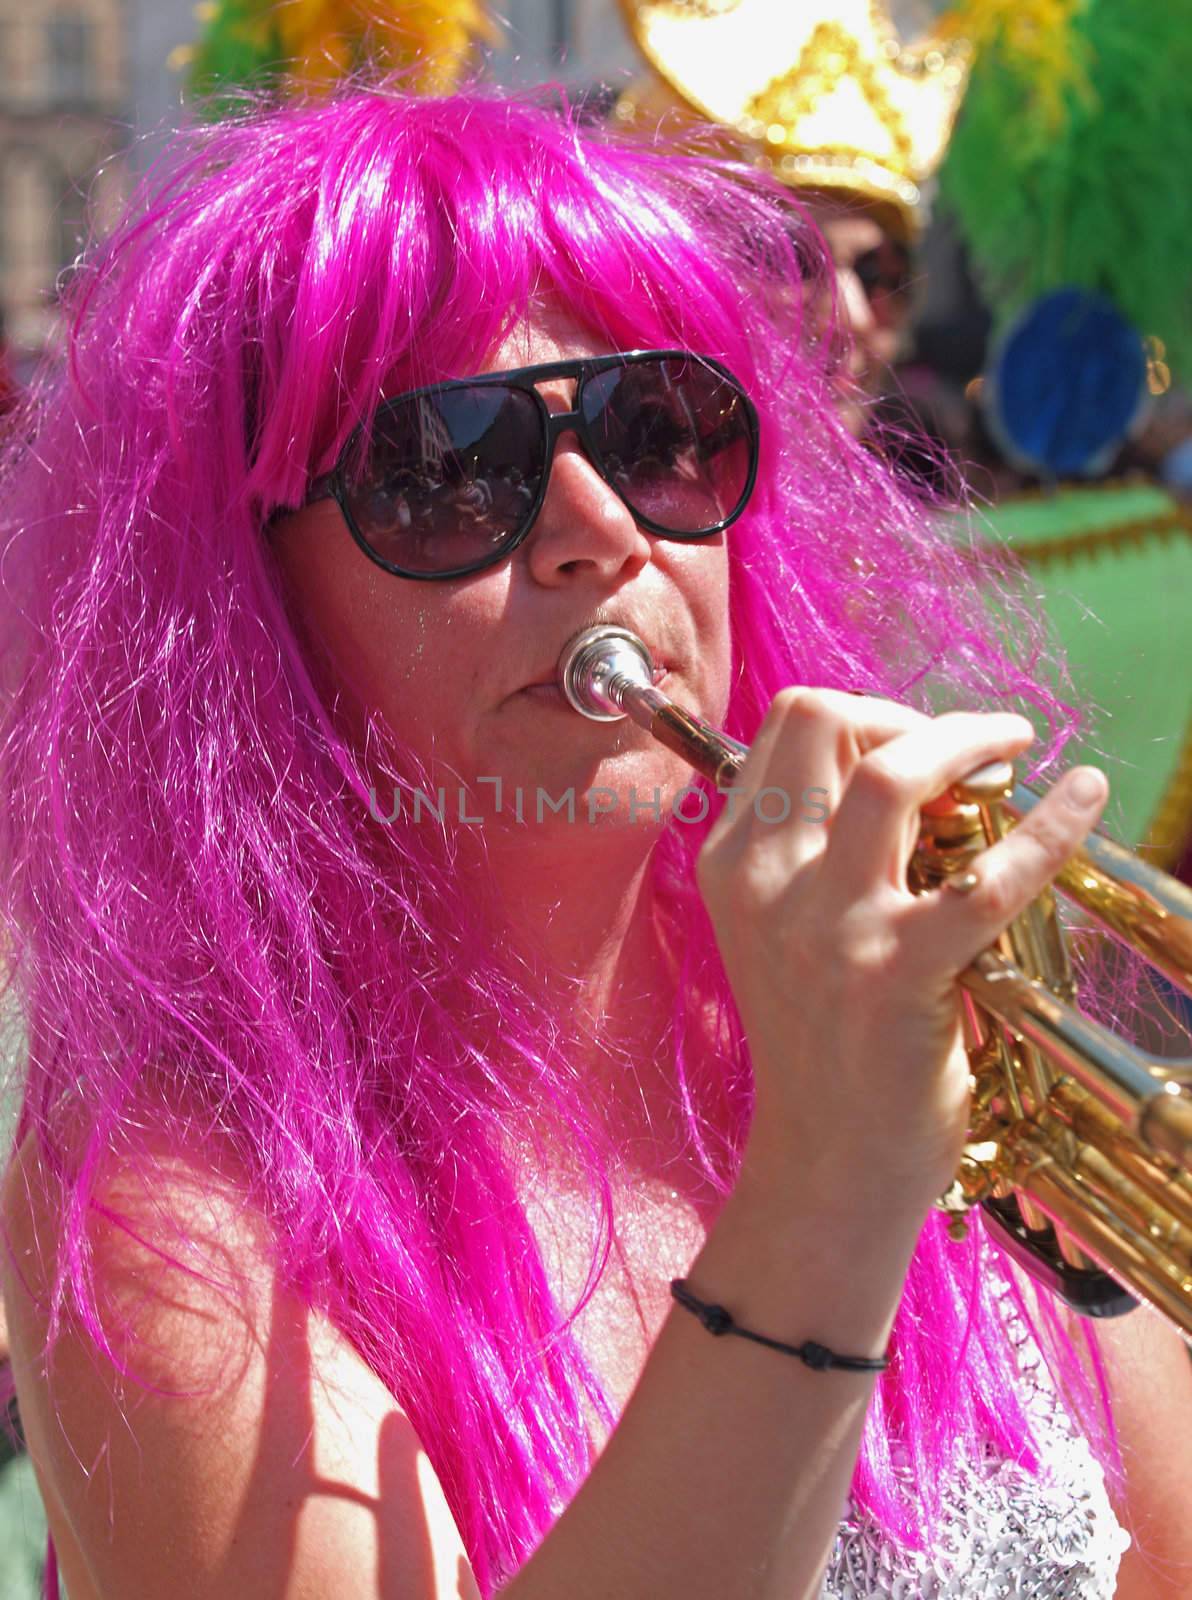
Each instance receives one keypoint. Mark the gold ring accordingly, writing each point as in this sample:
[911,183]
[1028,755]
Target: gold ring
[963,882]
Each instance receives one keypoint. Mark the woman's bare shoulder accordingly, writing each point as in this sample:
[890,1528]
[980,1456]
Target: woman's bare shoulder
[168,1229]
[257,1450]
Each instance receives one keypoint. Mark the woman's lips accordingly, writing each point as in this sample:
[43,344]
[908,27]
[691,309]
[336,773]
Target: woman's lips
[552,694]
[549,692]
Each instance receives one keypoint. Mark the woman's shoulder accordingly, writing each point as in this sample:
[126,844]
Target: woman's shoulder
[184,1261]
[245,1438]
[175,1330]
[160,1212]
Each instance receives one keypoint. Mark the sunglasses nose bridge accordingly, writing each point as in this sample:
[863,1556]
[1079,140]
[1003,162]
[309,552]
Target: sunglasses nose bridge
[557,424]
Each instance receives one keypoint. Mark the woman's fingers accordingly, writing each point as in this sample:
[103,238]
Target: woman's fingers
[875,828]
[798,767]
[948,930]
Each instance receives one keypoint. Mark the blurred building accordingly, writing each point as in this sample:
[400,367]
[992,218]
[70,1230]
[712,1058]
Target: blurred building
[87,95]
[582,43]
[63,120]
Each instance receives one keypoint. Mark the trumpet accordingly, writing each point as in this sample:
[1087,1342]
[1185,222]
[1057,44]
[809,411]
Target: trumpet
[1079,1150]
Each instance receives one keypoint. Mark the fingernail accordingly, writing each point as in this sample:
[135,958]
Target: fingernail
[1087,787]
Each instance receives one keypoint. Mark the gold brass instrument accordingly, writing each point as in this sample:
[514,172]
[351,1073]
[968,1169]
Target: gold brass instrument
[1080,1144]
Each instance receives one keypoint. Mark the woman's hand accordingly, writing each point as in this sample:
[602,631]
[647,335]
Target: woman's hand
[845,981]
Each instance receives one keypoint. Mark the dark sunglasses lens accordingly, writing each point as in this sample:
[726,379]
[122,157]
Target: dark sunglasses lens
[675,440]
[446,480]
[884,271]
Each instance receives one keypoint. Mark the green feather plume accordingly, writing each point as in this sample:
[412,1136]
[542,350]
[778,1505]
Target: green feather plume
[240,45]
[1092,187]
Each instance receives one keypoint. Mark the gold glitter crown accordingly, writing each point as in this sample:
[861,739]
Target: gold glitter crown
[852,106]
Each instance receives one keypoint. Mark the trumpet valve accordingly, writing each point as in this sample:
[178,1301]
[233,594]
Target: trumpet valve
[987,785]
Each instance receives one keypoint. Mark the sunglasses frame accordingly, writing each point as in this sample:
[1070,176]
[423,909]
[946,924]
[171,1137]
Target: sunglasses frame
[333,485]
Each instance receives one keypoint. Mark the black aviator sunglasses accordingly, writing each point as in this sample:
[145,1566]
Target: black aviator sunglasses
[448,479]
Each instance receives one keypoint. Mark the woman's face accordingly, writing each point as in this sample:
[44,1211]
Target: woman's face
[449,664]
[875,316]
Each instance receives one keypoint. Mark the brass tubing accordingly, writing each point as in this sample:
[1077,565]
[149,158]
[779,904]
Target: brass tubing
[1132,1203]
[1129,1256]
[1117,1073]
[710,752]
[1092,1124]
[1137,903]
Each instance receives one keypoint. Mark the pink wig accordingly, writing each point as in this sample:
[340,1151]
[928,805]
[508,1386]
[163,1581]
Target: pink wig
[203,929]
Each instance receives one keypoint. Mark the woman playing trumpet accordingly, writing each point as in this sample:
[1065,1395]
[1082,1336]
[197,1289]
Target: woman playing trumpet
[361,1142]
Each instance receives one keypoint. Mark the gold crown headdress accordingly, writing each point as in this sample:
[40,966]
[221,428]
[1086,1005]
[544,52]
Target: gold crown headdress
[853,106]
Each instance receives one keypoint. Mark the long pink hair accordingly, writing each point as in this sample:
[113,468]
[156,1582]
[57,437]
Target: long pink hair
[202,928]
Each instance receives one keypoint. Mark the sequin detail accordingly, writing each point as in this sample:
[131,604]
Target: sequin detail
[1007,1534]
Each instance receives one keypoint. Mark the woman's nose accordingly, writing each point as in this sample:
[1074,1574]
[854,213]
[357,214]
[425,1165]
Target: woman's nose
[584,529]
[854,302]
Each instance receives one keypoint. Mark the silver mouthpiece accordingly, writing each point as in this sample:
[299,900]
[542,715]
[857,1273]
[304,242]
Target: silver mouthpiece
[596,667]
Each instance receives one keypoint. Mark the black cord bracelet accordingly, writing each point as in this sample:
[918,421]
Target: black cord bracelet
[817,1356]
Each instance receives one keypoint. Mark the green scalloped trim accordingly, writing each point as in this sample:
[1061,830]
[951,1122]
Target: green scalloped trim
[1103,541]
[1167,519]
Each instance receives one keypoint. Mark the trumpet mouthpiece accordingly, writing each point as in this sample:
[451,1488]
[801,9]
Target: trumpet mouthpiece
[598,664]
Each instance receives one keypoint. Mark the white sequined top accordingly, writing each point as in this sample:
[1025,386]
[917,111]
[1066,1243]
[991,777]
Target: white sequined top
[1008,1534]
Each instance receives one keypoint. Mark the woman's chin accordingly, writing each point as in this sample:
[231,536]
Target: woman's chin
[636,786]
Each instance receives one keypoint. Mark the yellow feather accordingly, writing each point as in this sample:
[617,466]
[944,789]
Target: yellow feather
[323,39]
[1036,37]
